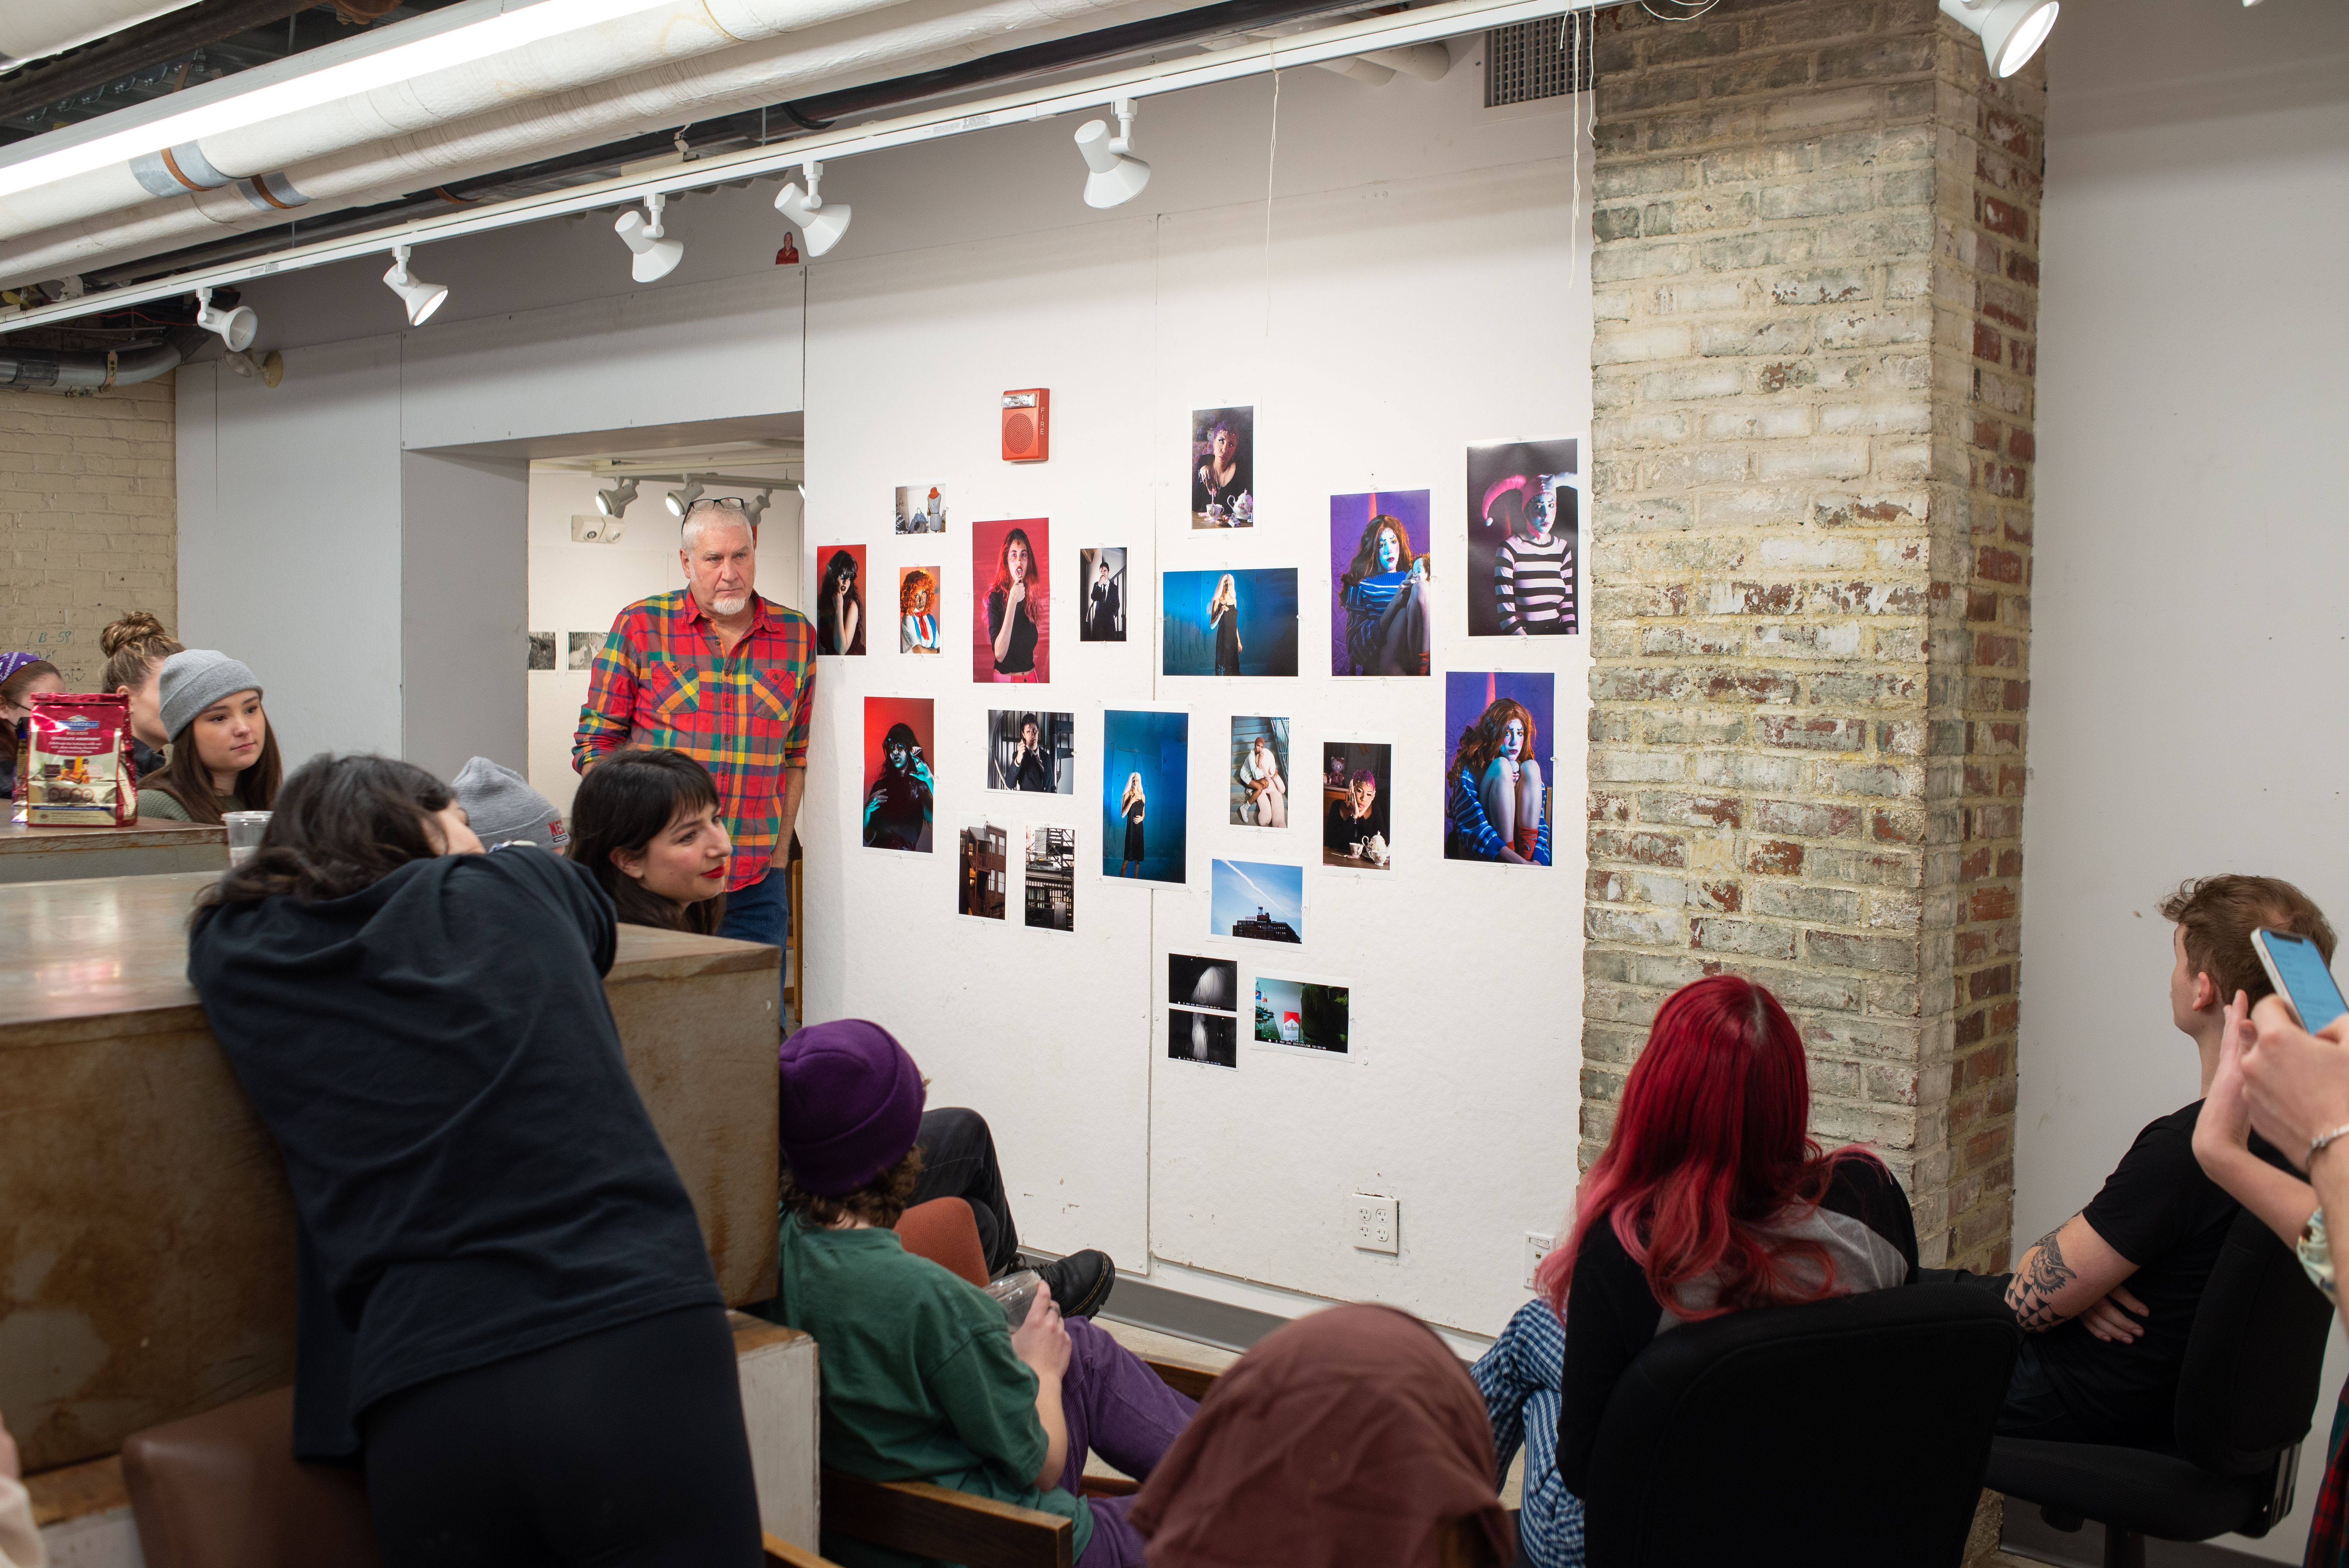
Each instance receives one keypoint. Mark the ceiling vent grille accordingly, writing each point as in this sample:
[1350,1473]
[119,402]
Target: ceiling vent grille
[1546,59]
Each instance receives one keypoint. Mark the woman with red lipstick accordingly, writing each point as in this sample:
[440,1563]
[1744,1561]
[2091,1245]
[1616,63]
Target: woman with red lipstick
[224,750]
[645,825]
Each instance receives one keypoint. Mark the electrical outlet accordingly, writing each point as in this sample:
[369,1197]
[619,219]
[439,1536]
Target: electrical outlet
[1376,1227]
[1537,1247]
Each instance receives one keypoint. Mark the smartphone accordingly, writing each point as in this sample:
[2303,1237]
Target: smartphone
[2297,969]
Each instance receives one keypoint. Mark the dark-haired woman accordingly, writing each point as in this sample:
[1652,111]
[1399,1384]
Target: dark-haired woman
[506,1308]
[223,753]
[1709,1198]
[1017,622]
[840,607]
[645,825]
[23,677]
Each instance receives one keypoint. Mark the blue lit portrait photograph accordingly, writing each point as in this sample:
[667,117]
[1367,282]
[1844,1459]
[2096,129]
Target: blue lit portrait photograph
[1239,622]
[1257,901]
[1145,788]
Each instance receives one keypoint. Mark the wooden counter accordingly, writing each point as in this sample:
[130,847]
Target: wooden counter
[30,853]
[146,1232]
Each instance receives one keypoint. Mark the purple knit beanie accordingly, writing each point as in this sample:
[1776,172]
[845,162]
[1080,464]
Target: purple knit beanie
[852,1105]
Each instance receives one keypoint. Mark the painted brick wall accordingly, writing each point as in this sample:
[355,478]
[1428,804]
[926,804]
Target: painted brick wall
[88,512]
[1816,282]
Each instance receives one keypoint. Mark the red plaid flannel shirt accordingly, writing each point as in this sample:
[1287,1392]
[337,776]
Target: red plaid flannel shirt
[661,680]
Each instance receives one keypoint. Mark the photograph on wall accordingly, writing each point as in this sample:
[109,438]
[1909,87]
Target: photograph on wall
[1300,1015]
[1259,772]
[1031,751]
[1257,901]
[1010,621]
[986,871]
[1496,796]
[1241,622]
[1379,612]
[1357,821]
[1525,519]
[1213,984]
[921,508]
[542,650]
[583,649]
[1102,572]
[1051,879]
[1222,468]
[1145,794]
[918,609]
[898,786]
[840,599]
[1211,1038]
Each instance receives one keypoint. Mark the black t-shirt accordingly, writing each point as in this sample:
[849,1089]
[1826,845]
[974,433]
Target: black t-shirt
[904,804]
[2161,1213]
[1863,1223]
[473,1174]
[1341,829]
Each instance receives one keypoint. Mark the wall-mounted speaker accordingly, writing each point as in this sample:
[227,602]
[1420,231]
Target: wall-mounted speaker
[1027,426]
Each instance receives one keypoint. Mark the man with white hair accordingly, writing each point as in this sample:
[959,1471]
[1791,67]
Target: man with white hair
[715,671]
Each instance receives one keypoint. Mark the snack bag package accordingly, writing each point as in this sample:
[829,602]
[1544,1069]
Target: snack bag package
[75,766]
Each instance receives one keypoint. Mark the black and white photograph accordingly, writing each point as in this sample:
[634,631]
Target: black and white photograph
[1052,878]
[1210,1039]
[542,650]
[1210,983]
[1031,751]
[584,648]
[1101,576]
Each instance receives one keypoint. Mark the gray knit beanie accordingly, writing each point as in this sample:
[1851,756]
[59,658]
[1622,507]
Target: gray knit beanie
[504,808]
[195,678]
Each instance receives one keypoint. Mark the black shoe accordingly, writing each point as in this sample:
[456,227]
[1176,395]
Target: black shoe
[1079,1283]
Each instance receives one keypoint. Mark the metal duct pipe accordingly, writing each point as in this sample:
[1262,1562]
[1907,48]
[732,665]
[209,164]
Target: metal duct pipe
[36,29]
[846,48]
[45,370]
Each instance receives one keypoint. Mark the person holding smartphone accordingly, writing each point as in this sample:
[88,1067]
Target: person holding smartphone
[2107,1298]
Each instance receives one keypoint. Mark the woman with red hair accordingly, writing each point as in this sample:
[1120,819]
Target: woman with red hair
[1711,1197]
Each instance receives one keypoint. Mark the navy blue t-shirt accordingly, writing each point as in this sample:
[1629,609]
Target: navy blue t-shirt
[473,1172]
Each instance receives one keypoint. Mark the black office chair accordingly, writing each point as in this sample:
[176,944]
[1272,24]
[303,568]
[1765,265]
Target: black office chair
[1850,1430]
[2245,1398]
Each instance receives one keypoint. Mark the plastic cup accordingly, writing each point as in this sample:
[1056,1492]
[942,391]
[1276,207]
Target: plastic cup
[244,830]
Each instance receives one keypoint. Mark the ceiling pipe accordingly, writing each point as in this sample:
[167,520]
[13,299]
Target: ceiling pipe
[1149,78]
[742,129]
[408,156]
[36,29]
[46,370]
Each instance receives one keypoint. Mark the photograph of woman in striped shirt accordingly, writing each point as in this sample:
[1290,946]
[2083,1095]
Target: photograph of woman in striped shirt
[1523,526]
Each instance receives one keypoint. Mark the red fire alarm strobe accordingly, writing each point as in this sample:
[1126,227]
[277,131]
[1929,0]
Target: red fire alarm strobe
[1027,426]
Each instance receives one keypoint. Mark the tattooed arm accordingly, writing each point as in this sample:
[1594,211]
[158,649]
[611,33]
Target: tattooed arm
[2067,1273]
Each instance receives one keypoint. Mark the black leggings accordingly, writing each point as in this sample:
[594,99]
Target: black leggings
[958,1161]
[624,1448]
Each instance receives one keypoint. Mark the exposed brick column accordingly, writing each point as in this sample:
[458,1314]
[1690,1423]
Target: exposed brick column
[1816,280]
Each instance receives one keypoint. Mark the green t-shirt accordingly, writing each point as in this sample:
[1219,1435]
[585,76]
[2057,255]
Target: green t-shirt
[919,1379]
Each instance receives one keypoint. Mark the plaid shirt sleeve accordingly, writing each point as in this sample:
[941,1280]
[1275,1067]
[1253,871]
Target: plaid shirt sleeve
[795,743]
[609,717]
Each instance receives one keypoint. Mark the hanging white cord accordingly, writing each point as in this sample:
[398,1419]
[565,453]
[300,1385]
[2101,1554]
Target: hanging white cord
[1271,159]
[1574,118]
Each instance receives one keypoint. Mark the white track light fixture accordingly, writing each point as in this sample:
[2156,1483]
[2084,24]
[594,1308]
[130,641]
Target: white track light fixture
[678,500]
[656,253]
[1117,175]
[236,327]
[420,297]
[614,502]
[755,507]
[2011,30]
[819,225]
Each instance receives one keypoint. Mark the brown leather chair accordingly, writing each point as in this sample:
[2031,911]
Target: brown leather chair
[223,1489]
[945,1231]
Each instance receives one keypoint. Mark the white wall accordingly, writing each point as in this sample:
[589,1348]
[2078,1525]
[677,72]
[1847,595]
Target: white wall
[2192,536]
[1418,290]
[1414,297]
